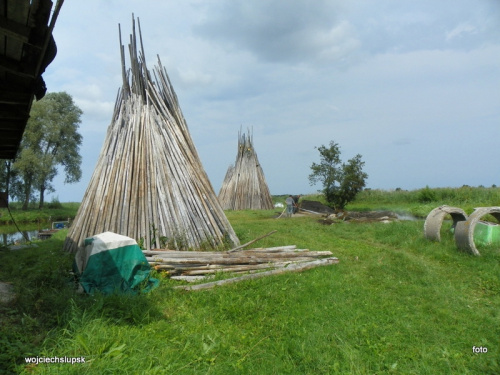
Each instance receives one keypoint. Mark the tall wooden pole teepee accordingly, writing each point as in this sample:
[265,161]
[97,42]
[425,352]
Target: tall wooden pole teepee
[245,186]
[149,183]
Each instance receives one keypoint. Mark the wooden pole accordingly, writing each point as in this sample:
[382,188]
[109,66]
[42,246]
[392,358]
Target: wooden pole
[251,242]
[149,182]
[291,268]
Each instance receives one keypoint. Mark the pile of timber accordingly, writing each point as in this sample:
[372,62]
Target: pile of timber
[149,183]
[190,265]
[244,186]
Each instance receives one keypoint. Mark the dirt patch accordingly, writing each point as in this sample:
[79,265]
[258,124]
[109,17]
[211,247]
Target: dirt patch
[326,221]
[330,216]
[315,206]
[6,292]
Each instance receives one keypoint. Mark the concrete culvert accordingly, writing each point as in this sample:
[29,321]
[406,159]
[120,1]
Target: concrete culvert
[464,231]
[434,221]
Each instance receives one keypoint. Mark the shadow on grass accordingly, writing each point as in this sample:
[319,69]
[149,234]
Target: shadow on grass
[47,306]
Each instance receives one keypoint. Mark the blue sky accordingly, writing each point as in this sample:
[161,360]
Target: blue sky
[411,85]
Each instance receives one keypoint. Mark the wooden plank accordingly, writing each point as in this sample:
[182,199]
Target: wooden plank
[291,268]
[244,186]
[214,257]
[251,242]
[13,97]
[154,177]
[18,12]
[14,30]
[17,67]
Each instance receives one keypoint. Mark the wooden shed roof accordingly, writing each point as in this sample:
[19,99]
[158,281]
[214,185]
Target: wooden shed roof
[25,37]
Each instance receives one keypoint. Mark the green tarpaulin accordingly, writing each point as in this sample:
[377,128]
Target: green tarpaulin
[112,263]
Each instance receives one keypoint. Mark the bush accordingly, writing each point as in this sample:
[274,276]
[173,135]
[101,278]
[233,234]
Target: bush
[54,203]
[426,195]
[341,181]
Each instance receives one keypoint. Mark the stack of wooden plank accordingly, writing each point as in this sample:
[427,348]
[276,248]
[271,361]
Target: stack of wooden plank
[189,265]
[149,183]
[244,186]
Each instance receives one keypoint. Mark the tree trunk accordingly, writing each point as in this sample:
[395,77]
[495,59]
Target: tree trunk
[27,194]
[42,192]
[26,198]
[8,165]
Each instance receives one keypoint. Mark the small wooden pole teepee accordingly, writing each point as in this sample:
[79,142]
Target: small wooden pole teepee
[149,183]
[245,186]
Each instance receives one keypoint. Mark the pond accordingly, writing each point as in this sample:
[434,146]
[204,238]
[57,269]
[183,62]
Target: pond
[407,216]
[10,235]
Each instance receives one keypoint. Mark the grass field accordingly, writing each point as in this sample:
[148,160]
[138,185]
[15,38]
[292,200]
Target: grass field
[44,216]
[420,202]
[395,304]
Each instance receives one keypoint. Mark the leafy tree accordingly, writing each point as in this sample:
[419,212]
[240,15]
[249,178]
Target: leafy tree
[6,175]
[25,166]
[341,181]
[50,140]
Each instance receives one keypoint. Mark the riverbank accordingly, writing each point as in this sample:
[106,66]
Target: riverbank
[415,202]
[38,217]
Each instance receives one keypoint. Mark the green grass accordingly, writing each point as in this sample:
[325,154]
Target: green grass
[420,202]
[395,304]
[35,215]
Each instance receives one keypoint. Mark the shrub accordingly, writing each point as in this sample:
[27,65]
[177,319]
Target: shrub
[54,203]
[426,195]
[341,181]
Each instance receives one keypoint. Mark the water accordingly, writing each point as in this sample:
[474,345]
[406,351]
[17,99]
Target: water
[9,238]
[406,216]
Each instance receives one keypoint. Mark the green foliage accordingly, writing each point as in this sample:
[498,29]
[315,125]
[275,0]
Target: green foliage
[341,181]
[54,203]
[42,285]
[8,176]
[37,216]
[50,140]
[395,303]
[179,241]
[153,234]
[465,197]
[426,195]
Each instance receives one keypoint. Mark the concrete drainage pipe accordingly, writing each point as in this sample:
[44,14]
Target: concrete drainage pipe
[433,222]
[464,231]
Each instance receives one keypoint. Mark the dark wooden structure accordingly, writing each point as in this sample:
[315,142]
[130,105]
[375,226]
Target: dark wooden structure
[26,48]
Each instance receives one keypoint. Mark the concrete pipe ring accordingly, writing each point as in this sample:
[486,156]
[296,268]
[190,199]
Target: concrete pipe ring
[434,221]
[464,231]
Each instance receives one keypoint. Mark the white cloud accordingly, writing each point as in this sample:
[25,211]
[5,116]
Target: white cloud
[193,78]
[96,110]
[392,81]
[463,28]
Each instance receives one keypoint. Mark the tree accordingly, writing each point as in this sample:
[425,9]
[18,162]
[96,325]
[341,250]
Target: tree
[6,175]
[341,181]
[50,140]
